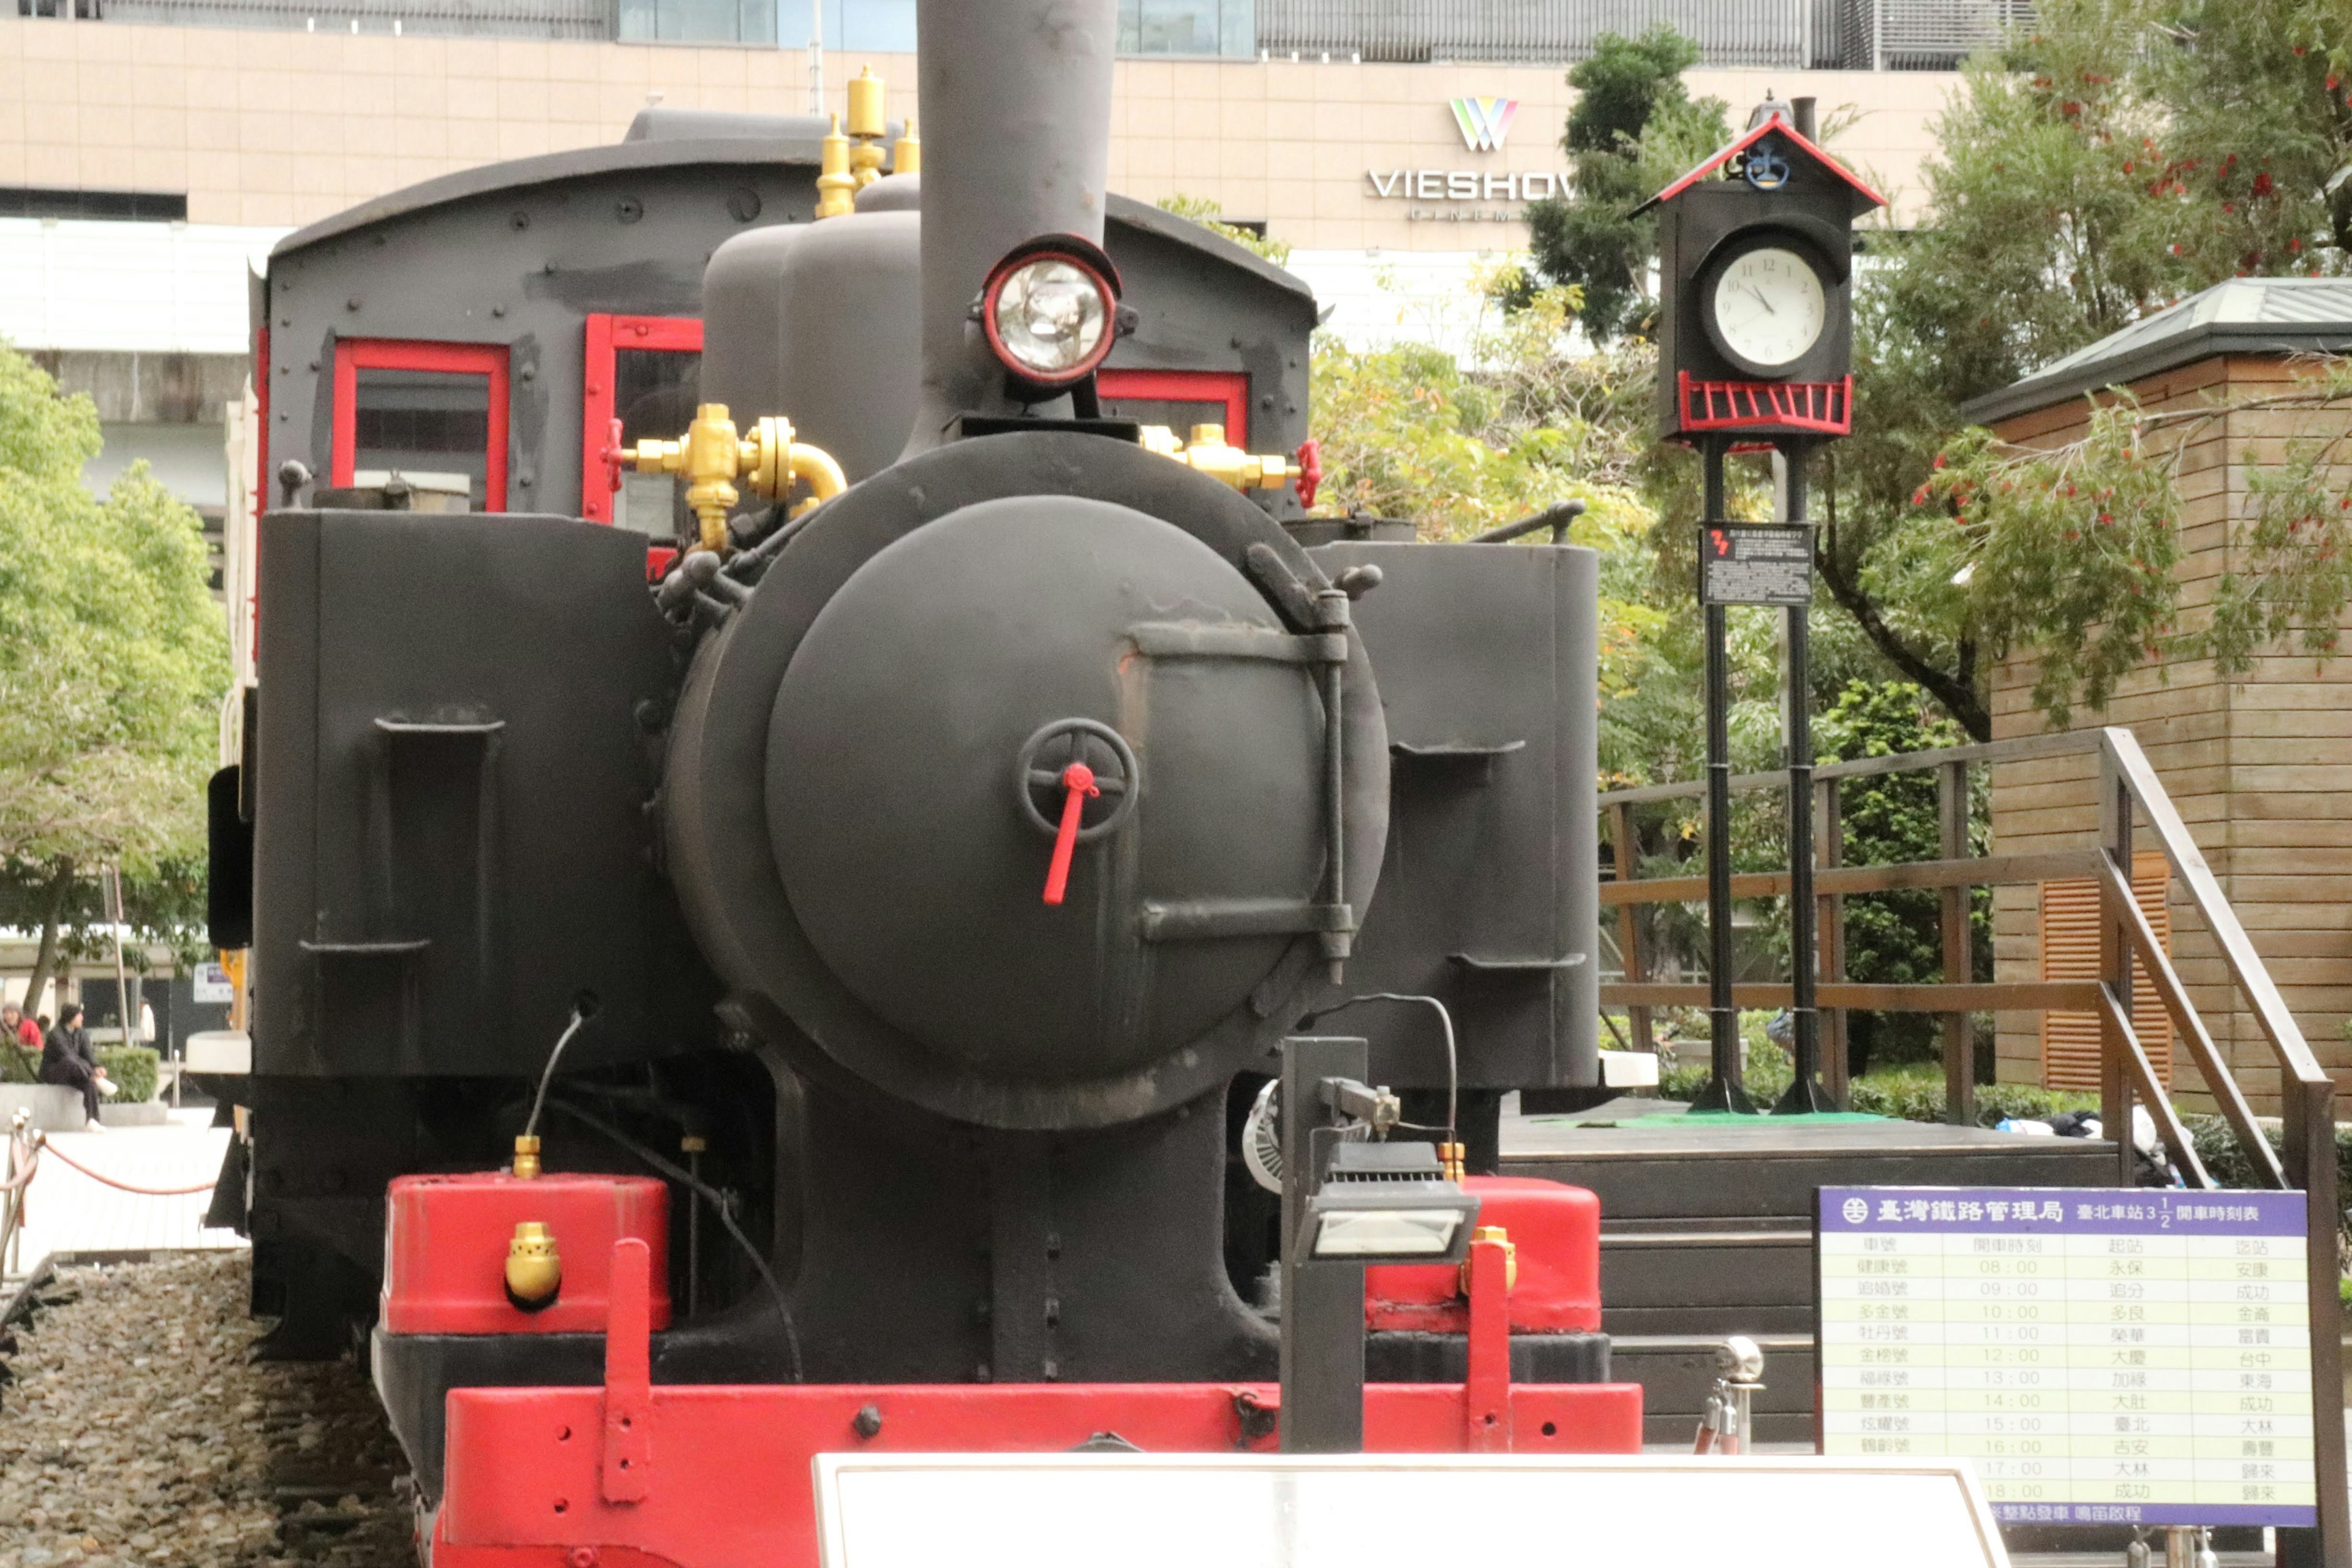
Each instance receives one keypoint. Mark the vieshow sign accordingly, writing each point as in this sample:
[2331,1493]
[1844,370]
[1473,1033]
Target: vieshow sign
[1459,195]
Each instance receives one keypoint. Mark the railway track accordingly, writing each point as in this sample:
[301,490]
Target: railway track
[135,1428]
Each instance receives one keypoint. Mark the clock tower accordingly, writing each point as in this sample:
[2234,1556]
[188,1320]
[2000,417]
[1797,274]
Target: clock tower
[1755,258]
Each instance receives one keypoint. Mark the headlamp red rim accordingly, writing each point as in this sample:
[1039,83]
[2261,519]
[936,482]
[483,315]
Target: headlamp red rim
[1103,286]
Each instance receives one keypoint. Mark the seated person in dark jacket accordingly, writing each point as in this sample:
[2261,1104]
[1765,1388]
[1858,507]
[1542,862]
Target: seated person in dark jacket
[69,1059]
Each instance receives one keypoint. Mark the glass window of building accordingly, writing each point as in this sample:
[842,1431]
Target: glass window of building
[1188,27]
[867,27]
[699,21]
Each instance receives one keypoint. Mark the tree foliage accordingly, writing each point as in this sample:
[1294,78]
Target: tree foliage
[1633,129]
[113,659]
[2121,154]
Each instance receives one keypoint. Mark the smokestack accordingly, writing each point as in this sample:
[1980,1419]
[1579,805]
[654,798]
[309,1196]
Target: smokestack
[1016,102]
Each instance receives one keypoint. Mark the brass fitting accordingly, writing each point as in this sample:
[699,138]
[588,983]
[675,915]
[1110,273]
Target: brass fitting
[906,153]
[1510,1257]
[1451,1156]
[534,1271]
[835,186]
[1207,452]
[713,457]
[866,127]
[525,1157]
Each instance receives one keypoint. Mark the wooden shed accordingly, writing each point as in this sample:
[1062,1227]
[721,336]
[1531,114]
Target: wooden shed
[2259,764]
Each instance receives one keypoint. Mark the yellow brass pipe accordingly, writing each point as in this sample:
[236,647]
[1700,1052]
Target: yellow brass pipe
[906,153]
[712,457]
[837,187]
[816,470]
[1208,453]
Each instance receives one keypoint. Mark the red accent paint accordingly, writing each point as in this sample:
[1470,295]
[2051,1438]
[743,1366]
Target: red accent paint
[446,1249]
[1486,1413]
[1310,471]
[1826,406]
[722,1474]
[657,560]
[1078,781]
[1230,387]
[1557,1229]
[1019,258]
[730,1477]
[1717,160]
[629,1377]
[261,368]
[353,355]
[604,335]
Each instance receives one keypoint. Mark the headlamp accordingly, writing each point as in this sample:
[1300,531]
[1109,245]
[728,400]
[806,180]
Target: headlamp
[1050,313]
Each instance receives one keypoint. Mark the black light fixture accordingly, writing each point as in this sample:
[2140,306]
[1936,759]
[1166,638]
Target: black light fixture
[1050,311]
[1387,1203]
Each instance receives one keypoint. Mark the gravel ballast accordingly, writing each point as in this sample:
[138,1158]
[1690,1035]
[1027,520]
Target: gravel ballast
[135,1428]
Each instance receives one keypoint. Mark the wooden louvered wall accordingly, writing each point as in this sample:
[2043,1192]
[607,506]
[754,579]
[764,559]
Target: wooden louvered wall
[2070,950]
[2257,761]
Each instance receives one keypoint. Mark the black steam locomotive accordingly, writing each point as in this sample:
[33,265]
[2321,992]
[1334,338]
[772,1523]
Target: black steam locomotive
[919,875]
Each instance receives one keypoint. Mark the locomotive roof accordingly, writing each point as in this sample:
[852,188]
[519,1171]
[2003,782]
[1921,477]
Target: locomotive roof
[666,138]
[655,153]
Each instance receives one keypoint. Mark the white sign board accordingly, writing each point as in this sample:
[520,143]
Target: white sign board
[2135,1356]
[1268,1510]
[213,986]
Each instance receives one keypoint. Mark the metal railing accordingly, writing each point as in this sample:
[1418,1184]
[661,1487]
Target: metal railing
[472,18]
[2129,794]
[1822,35]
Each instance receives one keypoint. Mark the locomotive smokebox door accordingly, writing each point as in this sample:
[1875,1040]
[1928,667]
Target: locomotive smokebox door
[1015,795]
[916,857]
[1755,258]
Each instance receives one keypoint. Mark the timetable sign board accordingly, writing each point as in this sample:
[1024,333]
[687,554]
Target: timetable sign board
[2140,1356]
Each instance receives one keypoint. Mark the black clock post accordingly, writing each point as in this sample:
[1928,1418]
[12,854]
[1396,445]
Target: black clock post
[1755,353]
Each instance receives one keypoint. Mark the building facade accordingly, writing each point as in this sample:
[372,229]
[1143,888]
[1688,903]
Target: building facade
[2258,763]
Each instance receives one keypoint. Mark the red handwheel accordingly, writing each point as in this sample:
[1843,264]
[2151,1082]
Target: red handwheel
[1078,779]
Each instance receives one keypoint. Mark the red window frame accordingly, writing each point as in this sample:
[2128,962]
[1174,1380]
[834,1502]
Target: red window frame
[1230,387]
[606,334]
[353,355]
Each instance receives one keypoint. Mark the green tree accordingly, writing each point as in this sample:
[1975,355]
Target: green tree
[2121,154]
[1633,129]
[113,659]
[1895,939]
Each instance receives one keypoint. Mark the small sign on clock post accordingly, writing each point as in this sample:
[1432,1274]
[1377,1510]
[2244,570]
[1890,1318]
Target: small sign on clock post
[1755,351]
[1748,563]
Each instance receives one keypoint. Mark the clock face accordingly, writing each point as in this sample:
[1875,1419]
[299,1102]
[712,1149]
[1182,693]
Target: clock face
[1769,307]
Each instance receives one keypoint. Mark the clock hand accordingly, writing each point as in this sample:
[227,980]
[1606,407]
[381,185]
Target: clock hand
[1760,300]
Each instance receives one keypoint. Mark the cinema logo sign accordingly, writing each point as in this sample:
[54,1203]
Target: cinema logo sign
[1461,185]
[1484,123]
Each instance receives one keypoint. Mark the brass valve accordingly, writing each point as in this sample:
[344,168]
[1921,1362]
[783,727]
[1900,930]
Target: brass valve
[525,1157]
[851,156]
[1450,1155]
[534,1271]
[865,126]
[837,187]
[1510,1257]
[906,153]
[713,457]
[1207,452]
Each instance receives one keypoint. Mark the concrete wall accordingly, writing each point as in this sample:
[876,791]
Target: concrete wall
[281,128]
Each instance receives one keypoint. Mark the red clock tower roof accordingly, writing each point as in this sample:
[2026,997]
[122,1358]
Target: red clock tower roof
[1865,198]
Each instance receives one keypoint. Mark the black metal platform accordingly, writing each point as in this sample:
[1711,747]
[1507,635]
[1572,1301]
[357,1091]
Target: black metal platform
[1707,1230]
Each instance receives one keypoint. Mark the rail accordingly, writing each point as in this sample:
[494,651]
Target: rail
[1819,35]
[2129,794]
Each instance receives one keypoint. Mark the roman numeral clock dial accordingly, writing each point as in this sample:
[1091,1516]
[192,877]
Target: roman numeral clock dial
[1766,308]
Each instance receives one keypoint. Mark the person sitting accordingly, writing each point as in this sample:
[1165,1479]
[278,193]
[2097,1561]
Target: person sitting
[18,1030]
[69,1060]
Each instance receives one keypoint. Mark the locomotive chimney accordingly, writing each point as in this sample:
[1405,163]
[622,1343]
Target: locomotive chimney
[1016,98]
